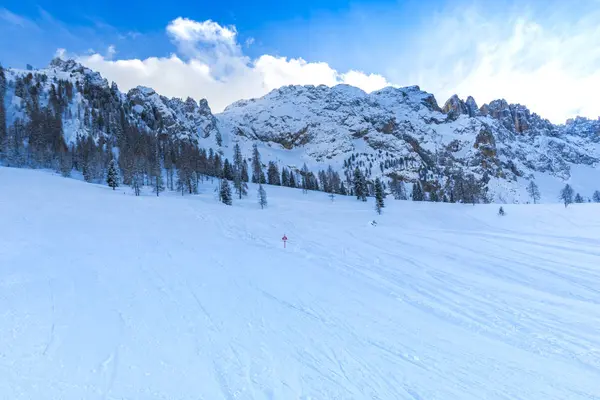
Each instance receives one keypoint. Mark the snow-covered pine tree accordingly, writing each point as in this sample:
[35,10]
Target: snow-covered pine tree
[596,196]
[379,196]
[566,195]
[225,192]
[534,191]
[262,196]
[579,198]
[112,176]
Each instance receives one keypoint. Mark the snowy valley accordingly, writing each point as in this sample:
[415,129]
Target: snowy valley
[105,295]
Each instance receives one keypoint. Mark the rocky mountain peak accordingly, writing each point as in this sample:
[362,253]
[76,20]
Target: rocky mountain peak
[455,107]
[472,107]
[66,65]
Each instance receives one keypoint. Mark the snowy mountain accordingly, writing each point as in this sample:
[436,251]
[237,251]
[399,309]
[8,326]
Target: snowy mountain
[399,133]
[185,298]
[92,98]
[502,145]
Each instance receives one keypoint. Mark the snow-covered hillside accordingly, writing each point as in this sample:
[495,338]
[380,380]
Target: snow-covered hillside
[393,133]
[104,295]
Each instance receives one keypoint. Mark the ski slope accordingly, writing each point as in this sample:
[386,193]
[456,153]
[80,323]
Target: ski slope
[104,295]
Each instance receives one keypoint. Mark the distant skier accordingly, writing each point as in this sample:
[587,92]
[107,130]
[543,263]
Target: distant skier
[374,223]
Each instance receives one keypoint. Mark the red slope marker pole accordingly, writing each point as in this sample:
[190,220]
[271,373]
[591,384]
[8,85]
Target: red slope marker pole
[284,238]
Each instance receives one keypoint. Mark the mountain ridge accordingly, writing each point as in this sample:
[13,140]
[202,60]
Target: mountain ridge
[392,132]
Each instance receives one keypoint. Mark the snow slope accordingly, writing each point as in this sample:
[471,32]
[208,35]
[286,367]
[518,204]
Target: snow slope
[104,295]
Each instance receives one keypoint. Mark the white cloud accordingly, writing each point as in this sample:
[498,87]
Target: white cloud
[111,51]
[550,65]
[60,53]
[185,29]
[210,64]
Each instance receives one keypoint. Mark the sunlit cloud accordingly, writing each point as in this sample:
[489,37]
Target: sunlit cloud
[210,63]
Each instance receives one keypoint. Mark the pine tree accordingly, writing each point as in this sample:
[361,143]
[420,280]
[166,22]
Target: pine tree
[379,196]
[397,188]
[3,132]
[158,185]
[245,177]
[305,178]
[225,192]
[257,172]
[262,196]
[434,197]
[285,177]
[66,163]
[578,198]
[238,168]
[227,170]
[596,196]
[238,159]
[273,176]
[241,188]
[112,177]
[219,139]
[137,177]
[417,192]
[534,191]
[366,188]
[360,189]
[292,179]
[156,176]
[566,195]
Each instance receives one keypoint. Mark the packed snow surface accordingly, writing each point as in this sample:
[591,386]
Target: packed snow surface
[104,295]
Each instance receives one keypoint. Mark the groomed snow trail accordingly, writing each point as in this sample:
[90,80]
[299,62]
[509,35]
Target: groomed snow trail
[107,296]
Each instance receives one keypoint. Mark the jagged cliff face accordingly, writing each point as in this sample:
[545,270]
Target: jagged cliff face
[391,132]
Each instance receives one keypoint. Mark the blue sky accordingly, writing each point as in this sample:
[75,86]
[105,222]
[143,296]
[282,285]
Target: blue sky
[138,26]
[224,51]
